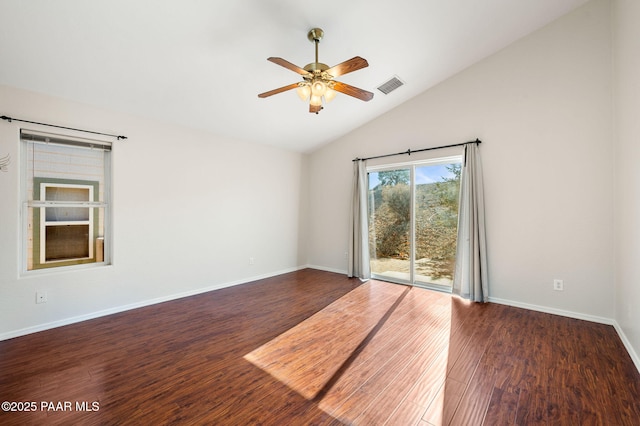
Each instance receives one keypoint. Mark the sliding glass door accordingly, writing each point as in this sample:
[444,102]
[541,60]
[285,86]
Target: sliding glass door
[389,207]
[413,216]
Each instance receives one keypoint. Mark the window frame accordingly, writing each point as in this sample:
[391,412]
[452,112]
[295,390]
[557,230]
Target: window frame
[40,204]
[411,167]
[34,206]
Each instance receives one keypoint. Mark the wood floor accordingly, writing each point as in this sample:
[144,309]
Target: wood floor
[316,348]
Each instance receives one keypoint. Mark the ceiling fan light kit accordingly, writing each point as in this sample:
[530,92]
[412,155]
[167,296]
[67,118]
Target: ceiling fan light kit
[318,86]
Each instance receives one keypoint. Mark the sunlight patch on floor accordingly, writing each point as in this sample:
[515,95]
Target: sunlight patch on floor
[307,356]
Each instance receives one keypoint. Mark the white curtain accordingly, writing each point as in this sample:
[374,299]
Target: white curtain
[358,226]
[470,276]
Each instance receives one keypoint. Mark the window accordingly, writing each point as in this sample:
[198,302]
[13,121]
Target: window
[66,193]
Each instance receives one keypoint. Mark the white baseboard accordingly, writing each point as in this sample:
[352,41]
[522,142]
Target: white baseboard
[324,268]
[92,315]
[601,320]
[554,311]
[627,344]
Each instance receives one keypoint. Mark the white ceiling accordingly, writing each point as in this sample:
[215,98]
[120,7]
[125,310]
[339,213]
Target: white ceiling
[202,63]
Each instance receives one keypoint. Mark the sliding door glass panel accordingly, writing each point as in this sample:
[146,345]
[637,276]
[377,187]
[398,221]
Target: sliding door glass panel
[437,190]
[389,210]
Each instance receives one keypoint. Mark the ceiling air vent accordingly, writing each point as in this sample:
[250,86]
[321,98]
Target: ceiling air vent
[390,85]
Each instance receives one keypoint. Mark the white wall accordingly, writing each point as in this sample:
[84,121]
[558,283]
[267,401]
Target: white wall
[189,210]
[626,15]
[542,108]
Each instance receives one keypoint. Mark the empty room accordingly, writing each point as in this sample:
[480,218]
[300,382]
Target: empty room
[320,213]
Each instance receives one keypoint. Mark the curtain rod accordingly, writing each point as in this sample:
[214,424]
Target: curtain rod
[9,119]
[409,152]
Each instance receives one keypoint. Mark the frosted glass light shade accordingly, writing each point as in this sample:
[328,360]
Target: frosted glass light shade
[329,94]
[316,100]
[304,92]
[318,88]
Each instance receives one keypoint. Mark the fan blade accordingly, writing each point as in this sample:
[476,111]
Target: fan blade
[279,90]
[315,109]
[353,64]
[352,91]
[288,65]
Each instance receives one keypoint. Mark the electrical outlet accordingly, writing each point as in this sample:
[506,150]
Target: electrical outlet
[251,261]
[41,297]
[558,285]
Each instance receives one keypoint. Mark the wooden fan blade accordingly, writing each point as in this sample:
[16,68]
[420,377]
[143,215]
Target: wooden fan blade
[279,90]
[352,91]
[353,64]
[315,109]
[288,65]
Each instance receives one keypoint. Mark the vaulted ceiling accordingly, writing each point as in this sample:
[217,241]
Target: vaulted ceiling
[202,63]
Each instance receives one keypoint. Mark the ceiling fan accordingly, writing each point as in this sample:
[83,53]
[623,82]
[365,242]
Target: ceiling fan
[318,79]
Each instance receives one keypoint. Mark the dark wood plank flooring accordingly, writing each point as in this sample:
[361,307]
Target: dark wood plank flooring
[431,359]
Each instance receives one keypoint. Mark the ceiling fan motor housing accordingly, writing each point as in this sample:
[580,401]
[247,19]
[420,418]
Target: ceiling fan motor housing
[316,66]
